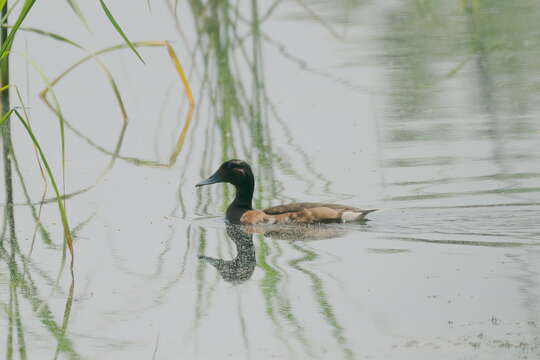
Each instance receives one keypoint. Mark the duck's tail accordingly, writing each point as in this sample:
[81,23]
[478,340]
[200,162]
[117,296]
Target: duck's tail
[355,215]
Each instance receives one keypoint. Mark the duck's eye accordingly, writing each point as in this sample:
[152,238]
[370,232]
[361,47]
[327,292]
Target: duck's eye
[239,171]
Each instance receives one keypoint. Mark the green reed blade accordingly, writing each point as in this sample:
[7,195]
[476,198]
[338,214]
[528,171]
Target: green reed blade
[77,10]
[6,46]
[95,55]
[63,214]
[119,29]
[53,36]
[8,12]
[5,116]
[58,112]
[37,216]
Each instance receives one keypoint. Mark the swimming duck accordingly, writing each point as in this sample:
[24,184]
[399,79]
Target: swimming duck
[240,211]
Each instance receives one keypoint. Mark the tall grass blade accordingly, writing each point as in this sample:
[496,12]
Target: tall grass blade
[6,46]
[77,10]
[2,4]
[36,214]
[52,35]
[8,12]
[43,176]
[110,78]
[94,55]
[5,117]
[63,214]
[119,29]
[57,110]
[181,73]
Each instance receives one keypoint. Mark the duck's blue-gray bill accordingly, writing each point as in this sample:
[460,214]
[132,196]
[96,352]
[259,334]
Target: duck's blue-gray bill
[211,180]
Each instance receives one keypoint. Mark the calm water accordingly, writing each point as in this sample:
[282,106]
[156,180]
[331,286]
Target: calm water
[425,110]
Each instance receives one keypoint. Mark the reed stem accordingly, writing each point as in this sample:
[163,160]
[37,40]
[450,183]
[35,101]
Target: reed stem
[6,129]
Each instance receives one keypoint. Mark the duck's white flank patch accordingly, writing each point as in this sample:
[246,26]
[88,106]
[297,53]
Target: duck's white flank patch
[348,216]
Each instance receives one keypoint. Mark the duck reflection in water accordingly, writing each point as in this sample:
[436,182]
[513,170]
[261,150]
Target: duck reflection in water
[242,266]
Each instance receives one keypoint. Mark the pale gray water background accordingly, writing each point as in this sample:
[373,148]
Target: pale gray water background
[426,110]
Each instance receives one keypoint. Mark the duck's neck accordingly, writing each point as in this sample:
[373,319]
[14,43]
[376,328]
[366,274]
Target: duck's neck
[244,195]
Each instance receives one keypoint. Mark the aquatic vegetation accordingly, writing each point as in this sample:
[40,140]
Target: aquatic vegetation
[20,279]
[120,145]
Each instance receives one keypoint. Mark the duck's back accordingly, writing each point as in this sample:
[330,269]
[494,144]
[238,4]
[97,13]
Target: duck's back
[315,212]
[295,207]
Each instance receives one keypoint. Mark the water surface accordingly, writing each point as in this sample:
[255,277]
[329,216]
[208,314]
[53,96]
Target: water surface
[427,111]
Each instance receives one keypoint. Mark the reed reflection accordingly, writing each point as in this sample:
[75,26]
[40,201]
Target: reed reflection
[23,281]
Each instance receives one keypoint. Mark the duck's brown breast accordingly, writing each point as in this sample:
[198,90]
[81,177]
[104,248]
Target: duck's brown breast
[253,217]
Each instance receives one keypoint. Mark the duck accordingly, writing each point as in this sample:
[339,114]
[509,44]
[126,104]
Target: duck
[240,211]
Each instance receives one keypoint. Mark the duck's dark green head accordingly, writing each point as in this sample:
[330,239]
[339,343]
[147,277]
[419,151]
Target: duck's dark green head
[236,172]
